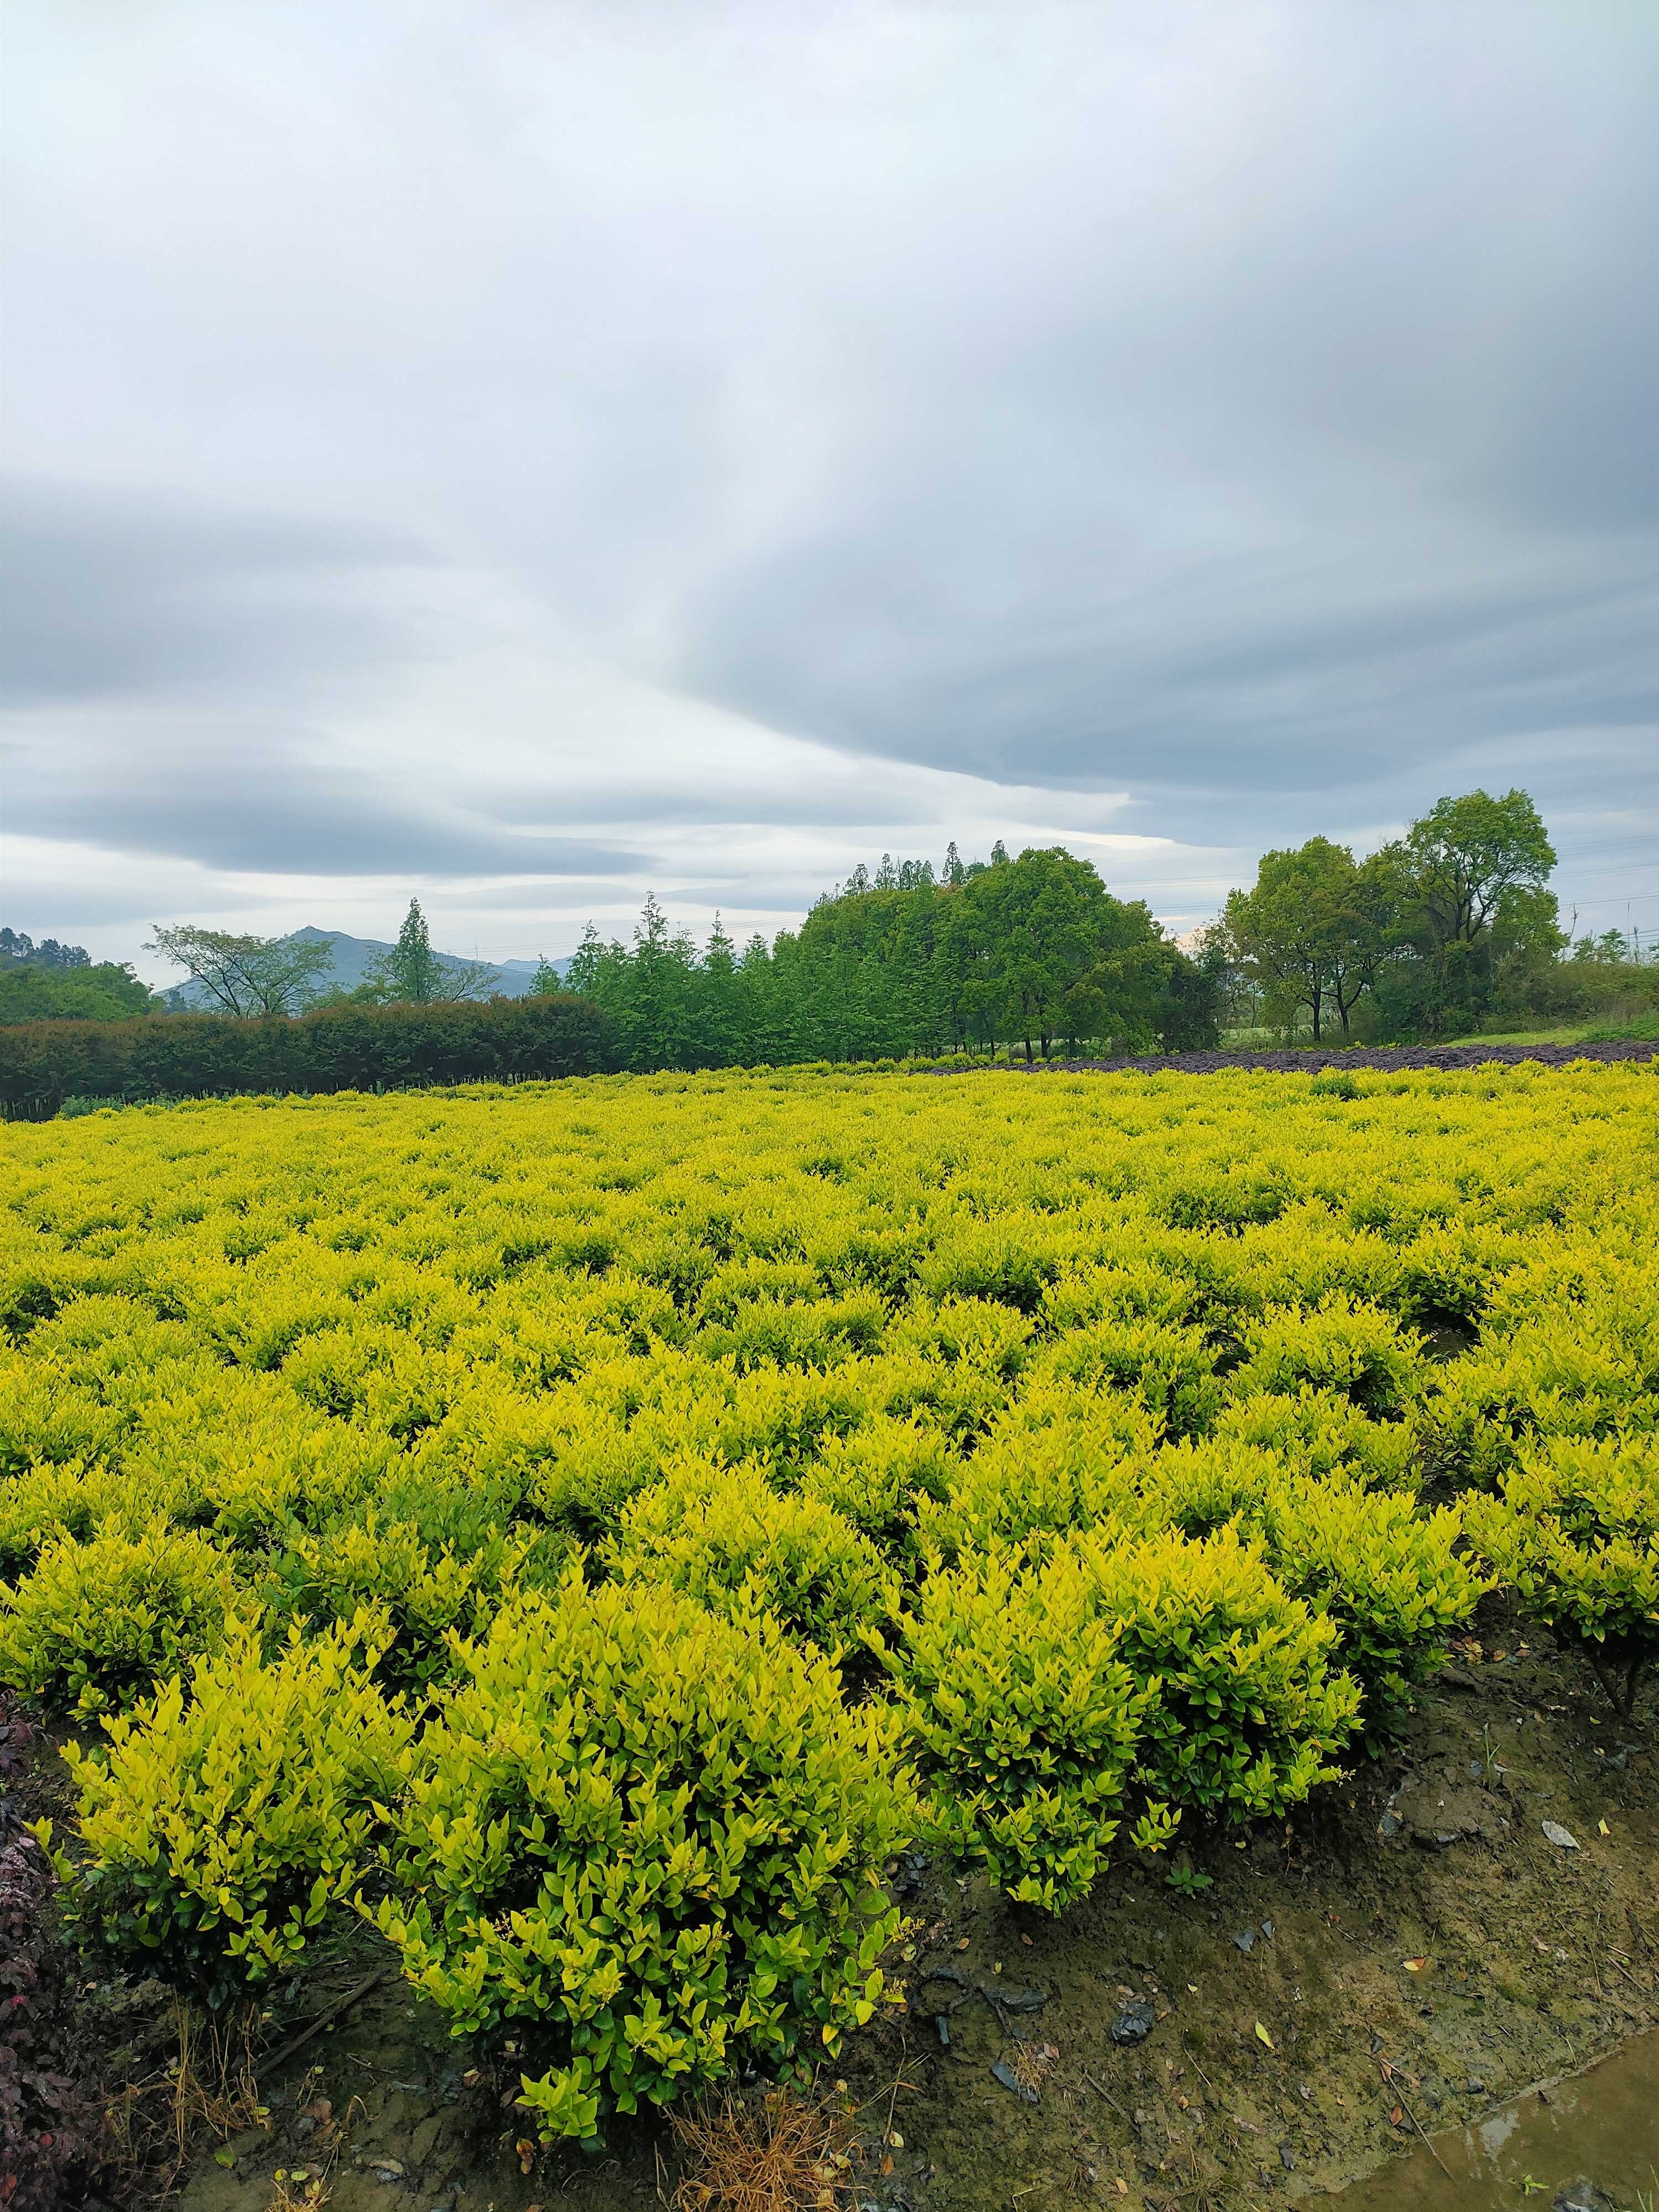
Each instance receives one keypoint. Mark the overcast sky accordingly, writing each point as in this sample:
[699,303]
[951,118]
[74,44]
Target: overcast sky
[525,452]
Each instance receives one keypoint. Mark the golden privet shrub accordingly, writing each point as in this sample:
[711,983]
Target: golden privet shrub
[1249,1714]
[221,1822]
[648,1843]
[1576,1533]
[1024,1722]
[97,1623]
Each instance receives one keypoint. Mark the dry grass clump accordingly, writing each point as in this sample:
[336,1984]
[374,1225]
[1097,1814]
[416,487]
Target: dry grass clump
[775,2153]
[155,2126]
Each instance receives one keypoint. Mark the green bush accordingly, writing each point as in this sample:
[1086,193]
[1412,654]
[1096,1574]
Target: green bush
[1576,1533]
[221,1823]
[647,1843]
[1389,1576]
[1247,1717]
[417,1598]
[875,1477]
[1024,1722]
[725,1537]
[340,1048]
[101,1623]
[1341,1345]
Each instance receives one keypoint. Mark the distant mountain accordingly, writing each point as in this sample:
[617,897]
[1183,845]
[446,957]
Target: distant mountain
[352,956]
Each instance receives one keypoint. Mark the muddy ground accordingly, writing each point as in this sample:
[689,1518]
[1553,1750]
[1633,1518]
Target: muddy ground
[1401,1957]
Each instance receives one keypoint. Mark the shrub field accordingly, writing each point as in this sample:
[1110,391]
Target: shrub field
[589,1532]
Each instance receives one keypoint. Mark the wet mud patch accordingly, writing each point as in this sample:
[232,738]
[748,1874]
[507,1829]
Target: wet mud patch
[1589,2144]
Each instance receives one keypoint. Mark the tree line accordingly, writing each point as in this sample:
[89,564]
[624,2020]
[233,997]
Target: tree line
[1432,936]
[1447,929]
[1033,952]
[1438,932]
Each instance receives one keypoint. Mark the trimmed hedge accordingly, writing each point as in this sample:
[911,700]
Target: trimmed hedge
[335,1049]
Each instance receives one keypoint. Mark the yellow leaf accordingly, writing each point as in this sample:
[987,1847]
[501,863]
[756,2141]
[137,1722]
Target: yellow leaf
[1262,2036]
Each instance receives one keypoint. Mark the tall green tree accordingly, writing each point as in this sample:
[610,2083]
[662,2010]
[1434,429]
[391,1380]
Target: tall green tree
[1045,918]
[1307,933]
[546,983]
[1469,884]
[412,974]
[1472,857]
[102,991]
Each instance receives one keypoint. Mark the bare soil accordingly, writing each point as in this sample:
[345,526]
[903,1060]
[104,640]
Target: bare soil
[1404,1956]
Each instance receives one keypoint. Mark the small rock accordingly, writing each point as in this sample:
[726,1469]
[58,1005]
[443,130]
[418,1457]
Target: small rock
[1003,2072]
[1133,2024]
[1267,1929]
[1475,2086]
[1287,2157]
[943,2028]
[1563,1839]
[1245,1941]
[1021,1999]
[1583,2196]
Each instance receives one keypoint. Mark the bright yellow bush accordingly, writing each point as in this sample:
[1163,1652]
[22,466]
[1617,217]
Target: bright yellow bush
[723,1536]
[1576,1532]
[95,1625]
[1024,1722]
[650,1844]
[223,1821]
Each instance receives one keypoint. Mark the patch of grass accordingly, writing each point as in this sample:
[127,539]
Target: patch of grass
[1573,1033]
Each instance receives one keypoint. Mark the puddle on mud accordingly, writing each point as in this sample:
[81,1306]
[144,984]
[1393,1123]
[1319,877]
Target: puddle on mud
[1603,2124]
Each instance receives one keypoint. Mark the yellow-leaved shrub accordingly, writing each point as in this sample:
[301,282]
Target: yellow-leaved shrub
[648,1845]
[96,1623]
[1024,1722]
[1575,1531]
[723,1536]
[223,1820]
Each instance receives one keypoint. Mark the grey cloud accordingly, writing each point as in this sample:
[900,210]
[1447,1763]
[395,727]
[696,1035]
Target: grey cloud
[109,593]
[246,799]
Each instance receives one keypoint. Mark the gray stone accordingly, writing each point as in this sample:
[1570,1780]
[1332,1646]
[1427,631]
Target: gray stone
[1583,2196]
[1016,2000]
[1133,2024]
[1441,1808]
